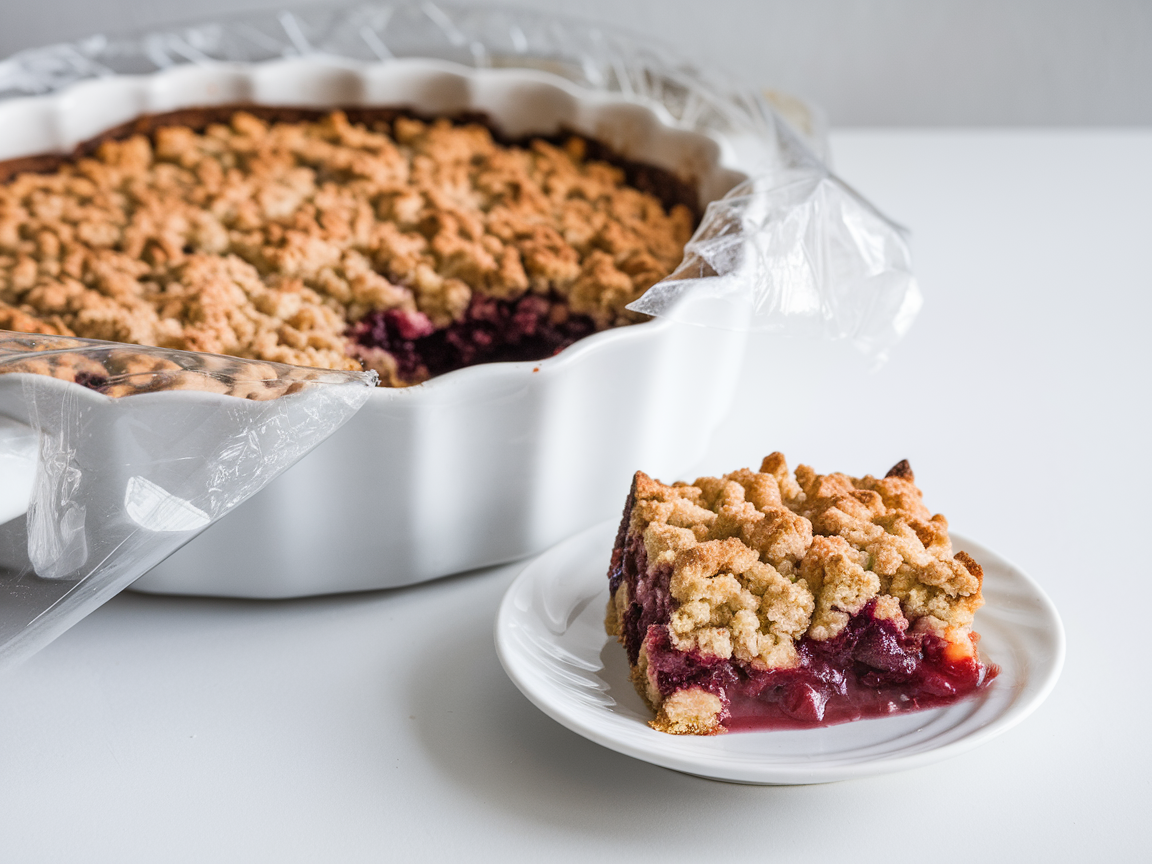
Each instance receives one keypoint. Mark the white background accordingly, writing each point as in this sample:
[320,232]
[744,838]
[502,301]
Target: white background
[866,62]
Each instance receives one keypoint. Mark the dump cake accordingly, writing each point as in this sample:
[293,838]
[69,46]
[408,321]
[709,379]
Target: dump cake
[772,600]
[352,239]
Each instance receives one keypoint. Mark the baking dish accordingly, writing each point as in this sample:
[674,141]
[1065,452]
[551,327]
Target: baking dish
[482,465]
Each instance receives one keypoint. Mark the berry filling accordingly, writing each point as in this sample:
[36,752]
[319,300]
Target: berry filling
[870,669]
[528,328]
[92,381]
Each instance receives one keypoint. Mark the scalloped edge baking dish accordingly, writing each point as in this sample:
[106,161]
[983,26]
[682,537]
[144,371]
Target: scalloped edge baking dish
[480,466]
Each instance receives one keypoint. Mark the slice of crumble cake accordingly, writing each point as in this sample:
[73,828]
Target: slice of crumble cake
[765,600]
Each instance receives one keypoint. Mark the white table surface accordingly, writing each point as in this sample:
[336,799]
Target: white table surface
[375,726]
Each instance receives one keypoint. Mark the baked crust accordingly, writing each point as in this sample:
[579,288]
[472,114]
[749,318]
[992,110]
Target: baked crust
[268,238]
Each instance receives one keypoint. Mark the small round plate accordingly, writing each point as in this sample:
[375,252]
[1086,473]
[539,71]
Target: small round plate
[550,637]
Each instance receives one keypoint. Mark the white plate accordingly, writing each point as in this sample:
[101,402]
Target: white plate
[550,637]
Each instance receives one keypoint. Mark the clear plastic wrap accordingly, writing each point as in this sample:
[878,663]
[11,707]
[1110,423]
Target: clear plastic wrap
[795,249]
[798,252]
[114,456]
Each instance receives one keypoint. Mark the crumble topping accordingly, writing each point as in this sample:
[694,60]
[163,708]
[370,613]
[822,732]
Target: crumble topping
[269,240]
[760,559]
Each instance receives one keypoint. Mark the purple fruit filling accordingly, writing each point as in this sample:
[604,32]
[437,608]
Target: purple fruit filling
[676,670]
[871,669]
[529,328]
[92,381]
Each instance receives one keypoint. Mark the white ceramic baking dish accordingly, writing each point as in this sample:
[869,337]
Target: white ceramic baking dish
[480,466]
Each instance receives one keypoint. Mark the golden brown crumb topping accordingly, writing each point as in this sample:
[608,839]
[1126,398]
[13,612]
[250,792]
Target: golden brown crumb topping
[760,559]
[267,240]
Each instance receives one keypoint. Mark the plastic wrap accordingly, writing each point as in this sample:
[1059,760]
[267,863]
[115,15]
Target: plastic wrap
[795,249]
[113,456]
[799,253]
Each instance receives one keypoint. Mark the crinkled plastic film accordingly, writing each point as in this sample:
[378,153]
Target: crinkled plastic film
[114,456]
[797,252]
[794,250]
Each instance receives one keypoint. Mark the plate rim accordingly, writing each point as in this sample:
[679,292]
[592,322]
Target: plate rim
[1042,681]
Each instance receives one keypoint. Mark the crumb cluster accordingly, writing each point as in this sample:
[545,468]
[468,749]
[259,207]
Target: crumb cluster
[269,240]
[760,559]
